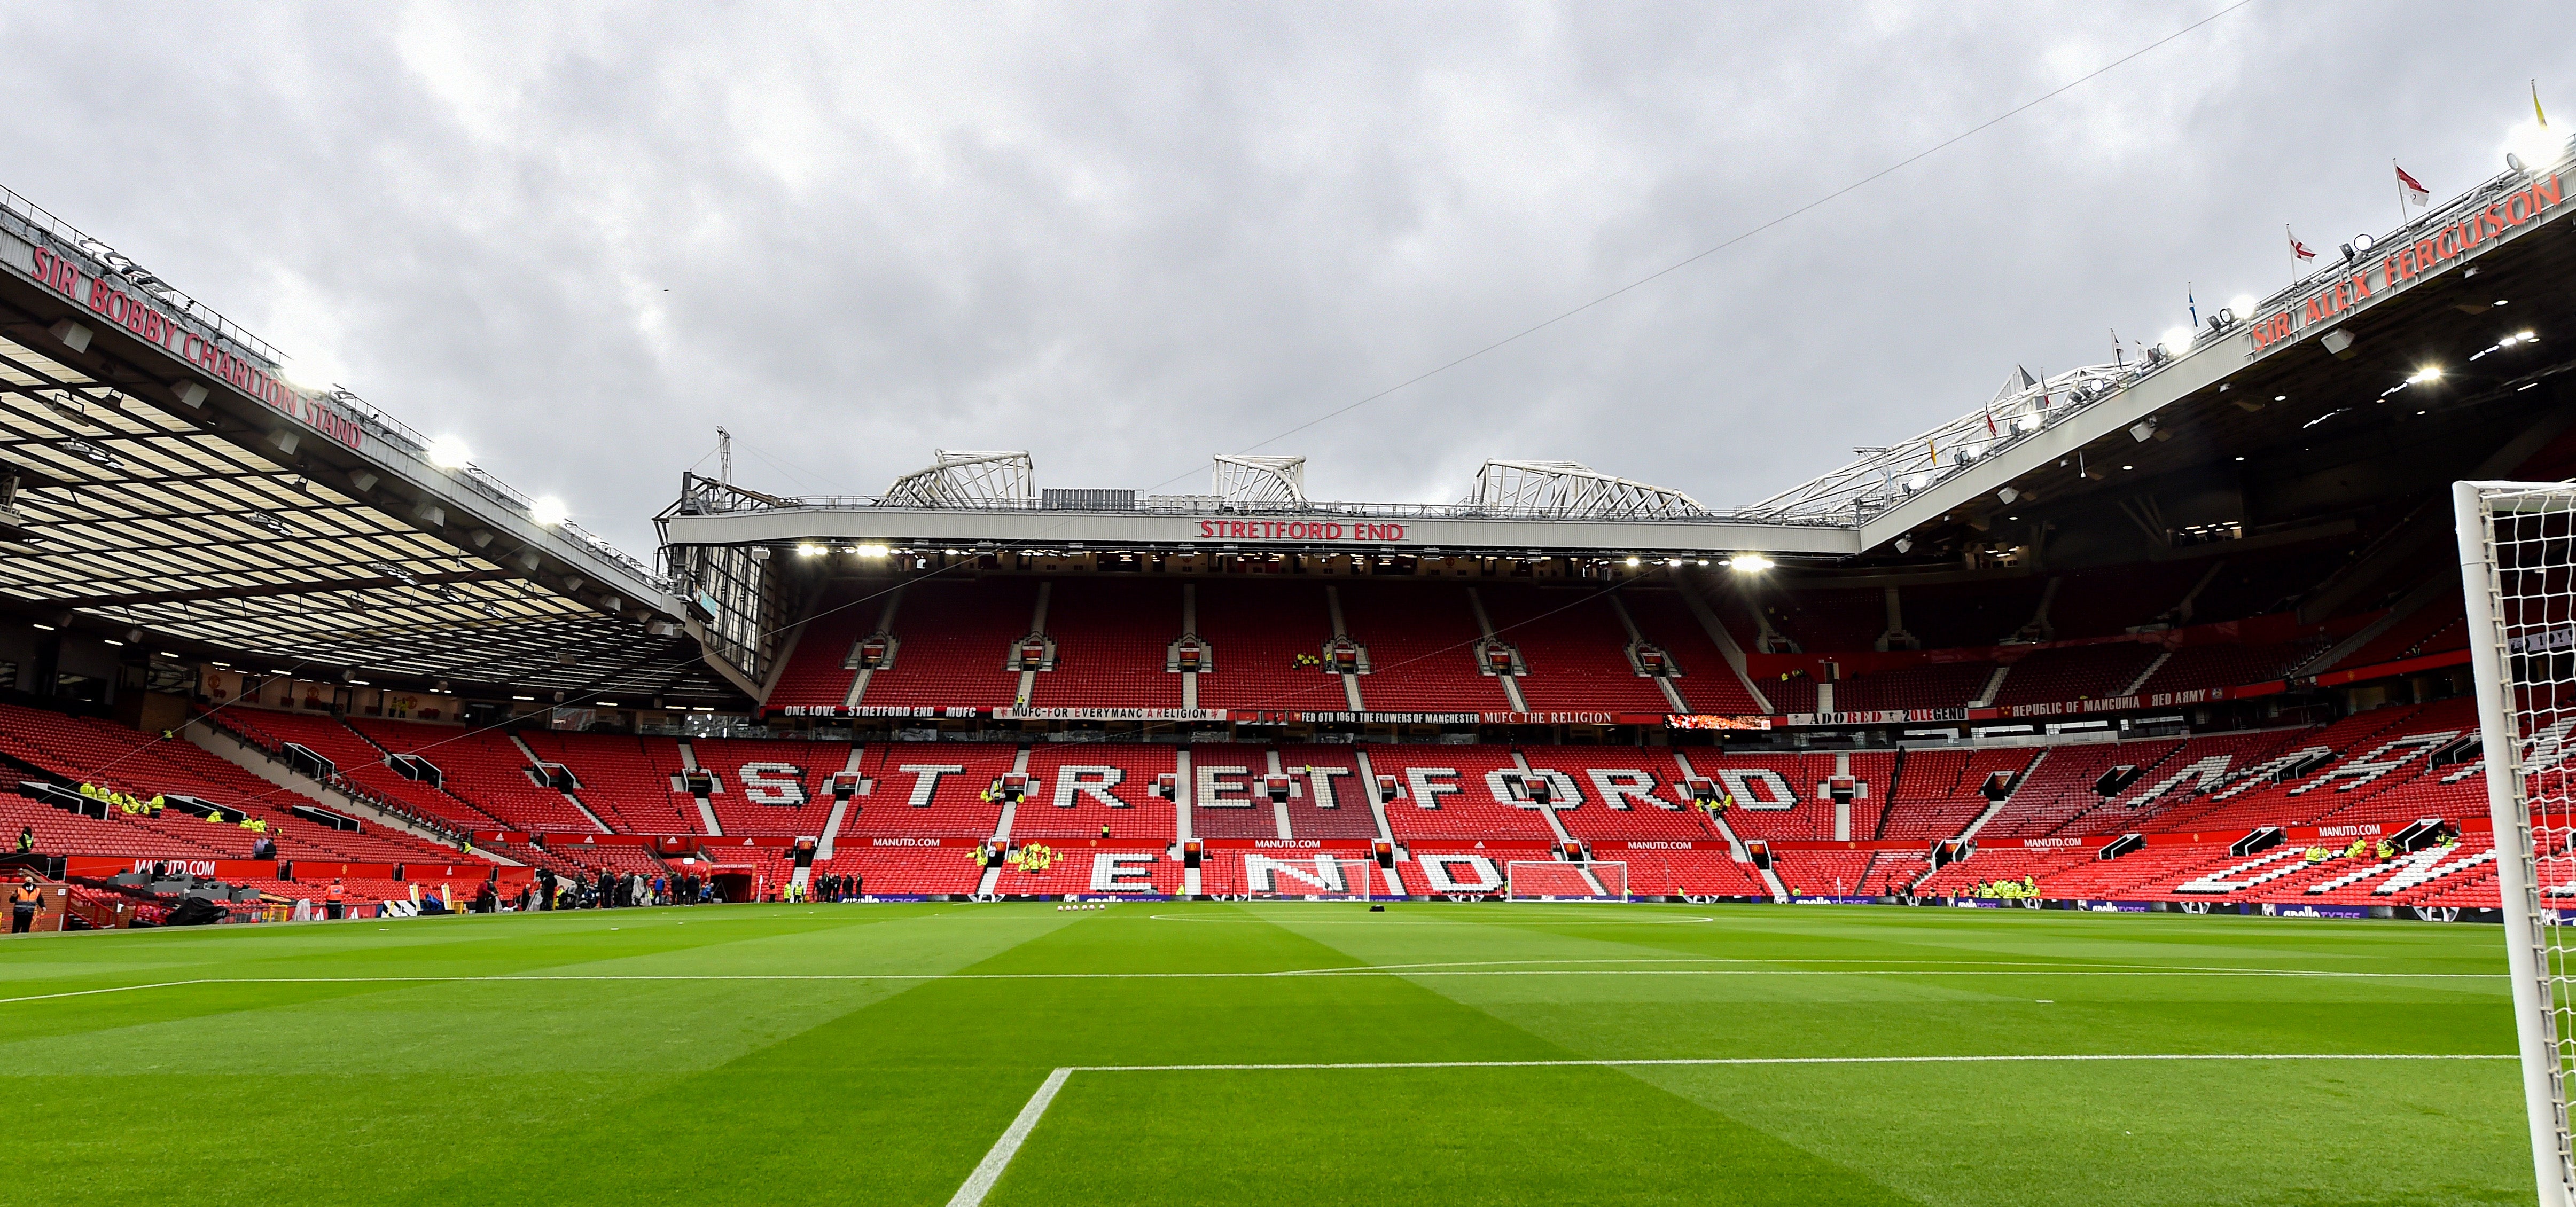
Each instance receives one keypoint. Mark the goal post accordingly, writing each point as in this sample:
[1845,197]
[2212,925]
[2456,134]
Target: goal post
[1554,880]
[2518,581]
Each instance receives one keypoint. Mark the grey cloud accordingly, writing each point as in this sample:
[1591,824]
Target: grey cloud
[1128,237]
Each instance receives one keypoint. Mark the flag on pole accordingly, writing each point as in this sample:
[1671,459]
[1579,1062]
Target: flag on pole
[2192,303]
[2536,114]
[2300,249]
[2415,190]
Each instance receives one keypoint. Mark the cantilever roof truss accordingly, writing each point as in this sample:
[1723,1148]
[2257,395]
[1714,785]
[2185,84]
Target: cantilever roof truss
[141,519]
[1570,489]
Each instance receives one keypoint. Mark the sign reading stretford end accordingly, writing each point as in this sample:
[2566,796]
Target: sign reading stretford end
[2405,265]
[147,321]
[1357,533]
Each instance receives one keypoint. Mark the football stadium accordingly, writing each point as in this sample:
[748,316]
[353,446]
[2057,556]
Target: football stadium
[2107,792]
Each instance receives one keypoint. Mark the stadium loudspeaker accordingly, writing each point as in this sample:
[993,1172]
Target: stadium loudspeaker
[285,442]
[527,560]
[2142,430]
[431,514]
[73,335]
[190,394]
[612,603]
[662,628]
[2008,494]
[363,481]
[2337,342]
[479,538]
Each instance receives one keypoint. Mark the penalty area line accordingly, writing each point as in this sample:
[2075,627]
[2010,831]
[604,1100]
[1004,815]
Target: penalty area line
[989,1170]
[998,1159]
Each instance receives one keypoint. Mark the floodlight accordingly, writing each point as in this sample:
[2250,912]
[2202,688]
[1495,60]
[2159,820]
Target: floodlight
[2242,303]
[547,510]
[873,551]
[1632,561]
[2530,148]
[1749,563]
[809,549]
[448,452]
[2175,339]
[2363,244]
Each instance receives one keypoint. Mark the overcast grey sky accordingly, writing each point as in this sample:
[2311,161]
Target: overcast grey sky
[1126,237]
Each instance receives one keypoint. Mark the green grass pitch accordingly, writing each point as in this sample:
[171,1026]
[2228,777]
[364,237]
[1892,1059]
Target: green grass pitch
[875,1054]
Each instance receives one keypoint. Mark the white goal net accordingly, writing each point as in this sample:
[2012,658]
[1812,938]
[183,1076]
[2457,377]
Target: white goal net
[2518,568]
[1551,880]
[1317,878]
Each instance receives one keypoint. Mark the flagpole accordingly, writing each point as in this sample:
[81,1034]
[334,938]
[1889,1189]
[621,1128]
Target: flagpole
[2401,192]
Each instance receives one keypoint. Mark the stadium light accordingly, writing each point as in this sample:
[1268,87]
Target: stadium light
[547,510]
[2530,147]
[2242,303]
[1749,563]
[2363,243]
[2176,340]
[2429,373]
[809,549]
[873,551]
[1633,561]
[448,452]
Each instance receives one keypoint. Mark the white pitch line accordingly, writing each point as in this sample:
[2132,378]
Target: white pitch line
[38,997]
[989,1170]
[1786,1060]
[1293,973]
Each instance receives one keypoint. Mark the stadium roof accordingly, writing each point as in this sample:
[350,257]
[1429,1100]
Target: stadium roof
[159,473]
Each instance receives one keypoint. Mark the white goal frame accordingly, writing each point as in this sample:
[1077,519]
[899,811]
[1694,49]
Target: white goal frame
[1511,881]
[2512,537]
[1294,878]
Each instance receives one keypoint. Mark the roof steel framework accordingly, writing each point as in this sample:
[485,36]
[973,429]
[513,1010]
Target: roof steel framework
[139,493]
[1573,490]
[140,518]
